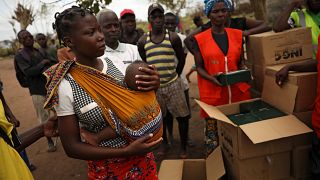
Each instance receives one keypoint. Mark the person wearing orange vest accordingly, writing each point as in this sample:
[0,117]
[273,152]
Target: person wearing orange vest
[220,51]
[308,66]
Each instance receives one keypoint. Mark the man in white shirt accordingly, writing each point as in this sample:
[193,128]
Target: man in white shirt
[117,55]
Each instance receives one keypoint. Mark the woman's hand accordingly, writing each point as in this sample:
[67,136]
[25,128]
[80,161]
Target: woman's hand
[148,82]
[141,146]
[50,128]
[282,75]
[14,121]
[215,79]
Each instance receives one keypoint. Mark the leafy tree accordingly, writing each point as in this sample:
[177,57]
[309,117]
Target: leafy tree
[93,5]
[23,15]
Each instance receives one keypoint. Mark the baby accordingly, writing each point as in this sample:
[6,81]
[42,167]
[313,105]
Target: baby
[150,120]
[133,70]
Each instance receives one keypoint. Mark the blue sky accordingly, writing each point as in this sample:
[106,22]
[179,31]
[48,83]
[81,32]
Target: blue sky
[43,23]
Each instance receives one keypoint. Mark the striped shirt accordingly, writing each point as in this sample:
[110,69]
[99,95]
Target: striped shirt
[162,56]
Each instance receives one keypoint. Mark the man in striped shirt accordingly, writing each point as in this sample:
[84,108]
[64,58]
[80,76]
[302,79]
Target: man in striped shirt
[159,47]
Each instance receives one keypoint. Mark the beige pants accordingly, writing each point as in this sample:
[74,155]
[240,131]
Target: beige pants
[42,114]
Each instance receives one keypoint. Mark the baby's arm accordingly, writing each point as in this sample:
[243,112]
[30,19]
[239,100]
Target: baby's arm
[96,138]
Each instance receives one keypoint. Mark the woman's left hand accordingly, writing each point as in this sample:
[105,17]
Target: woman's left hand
[148,82]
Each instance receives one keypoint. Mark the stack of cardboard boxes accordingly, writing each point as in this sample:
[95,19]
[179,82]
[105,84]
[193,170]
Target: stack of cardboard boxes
[271,48]
[276,148]
[267,54]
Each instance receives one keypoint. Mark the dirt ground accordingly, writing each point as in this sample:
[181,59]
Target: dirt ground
[56,165]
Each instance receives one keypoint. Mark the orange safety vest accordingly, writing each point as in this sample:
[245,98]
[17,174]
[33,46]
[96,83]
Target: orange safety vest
[216,62]
[316,111]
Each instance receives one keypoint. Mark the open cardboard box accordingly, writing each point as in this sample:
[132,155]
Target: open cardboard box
[263,137]
[211,168]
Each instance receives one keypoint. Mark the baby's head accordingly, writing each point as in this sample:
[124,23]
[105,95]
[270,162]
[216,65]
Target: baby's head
[133,70]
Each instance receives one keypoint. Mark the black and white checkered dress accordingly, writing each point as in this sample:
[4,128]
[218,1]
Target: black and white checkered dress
[113,71]
[92,120]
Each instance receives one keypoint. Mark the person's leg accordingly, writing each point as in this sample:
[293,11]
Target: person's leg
[178,107]
[164,132]
[169,123]
[315,157]
[42,116]
[183,131]
[211,135]
[186,93]
[161,98]
[25,158]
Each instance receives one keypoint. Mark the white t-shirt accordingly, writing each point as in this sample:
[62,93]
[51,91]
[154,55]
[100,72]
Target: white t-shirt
[123,56]
[66,100]
[182,38]
[185,50]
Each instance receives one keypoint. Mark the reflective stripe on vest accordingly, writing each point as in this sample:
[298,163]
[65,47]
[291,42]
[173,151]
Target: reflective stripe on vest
[302,18]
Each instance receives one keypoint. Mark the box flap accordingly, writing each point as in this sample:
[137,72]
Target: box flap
[171,169]
[214,165]
[282,98]
[275,128]
[214,112]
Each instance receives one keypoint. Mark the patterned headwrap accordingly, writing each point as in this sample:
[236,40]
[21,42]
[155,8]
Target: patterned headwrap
[209,4]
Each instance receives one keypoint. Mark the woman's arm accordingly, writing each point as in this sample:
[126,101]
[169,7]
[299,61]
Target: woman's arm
[255,27]
[30,136]
[69,132]
[141,43]
[178,49]
[189,41]
[306,66]
[281,23]
[241,64]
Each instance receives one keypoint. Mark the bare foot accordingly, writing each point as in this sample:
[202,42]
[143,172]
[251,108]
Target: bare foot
[183,154]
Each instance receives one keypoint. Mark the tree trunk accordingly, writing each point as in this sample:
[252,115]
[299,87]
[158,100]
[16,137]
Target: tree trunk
[259,8]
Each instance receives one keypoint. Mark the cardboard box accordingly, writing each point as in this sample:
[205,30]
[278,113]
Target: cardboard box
[264,137]
[274,166]
[306,83]
[301,162]
[305,117]
[272,48]
[191,169]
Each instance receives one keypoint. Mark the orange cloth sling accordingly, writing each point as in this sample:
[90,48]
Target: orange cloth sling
[138,112]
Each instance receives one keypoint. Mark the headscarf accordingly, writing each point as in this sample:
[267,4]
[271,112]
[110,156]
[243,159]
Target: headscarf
[209,4]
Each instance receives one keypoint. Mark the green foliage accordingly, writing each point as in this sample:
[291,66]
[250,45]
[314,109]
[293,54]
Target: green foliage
[93,5]
[6,52]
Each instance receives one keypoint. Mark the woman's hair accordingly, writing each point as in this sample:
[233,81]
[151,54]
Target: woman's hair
[63,21]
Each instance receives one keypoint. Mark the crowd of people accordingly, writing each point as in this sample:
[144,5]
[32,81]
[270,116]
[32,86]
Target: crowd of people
[112,91]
